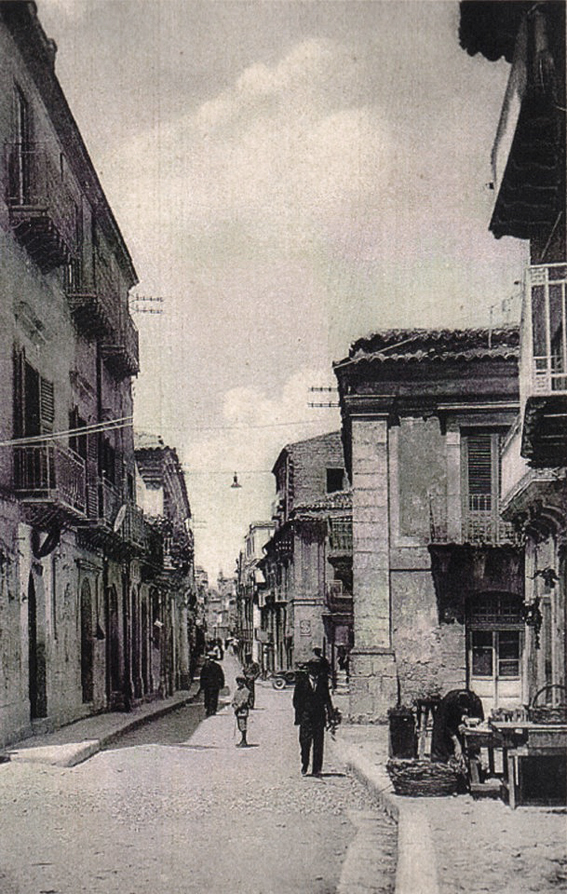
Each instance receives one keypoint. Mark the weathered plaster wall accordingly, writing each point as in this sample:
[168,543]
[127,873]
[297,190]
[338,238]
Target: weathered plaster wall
[430,658]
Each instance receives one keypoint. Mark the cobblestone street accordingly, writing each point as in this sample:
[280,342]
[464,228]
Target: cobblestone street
[167,811]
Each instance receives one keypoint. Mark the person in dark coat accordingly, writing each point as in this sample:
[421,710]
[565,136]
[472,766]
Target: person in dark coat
[313,709]
[210,684]
[446,737]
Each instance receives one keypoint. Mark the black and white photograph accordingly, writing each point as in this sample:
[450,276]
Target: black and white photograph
[283,447]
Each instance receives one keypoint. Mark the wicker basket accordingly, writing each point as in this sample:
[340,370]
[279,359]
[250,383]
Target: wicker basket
[422,778]
[547,713]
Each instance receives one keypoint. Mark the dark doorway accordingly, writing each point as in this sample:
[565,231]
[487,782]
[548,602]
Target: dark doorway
[114,674]
[145,648]
[87,642]
[36,659]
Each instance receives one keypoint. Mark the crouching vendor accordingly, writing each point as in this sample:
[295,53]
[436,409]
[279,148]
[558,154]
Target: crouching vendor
[452,714]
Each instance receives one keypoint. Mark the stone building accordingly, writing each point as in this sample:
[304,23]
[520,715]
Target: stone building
[73,542]
[249,594]
[309,477]
[168,593]
[529,165]
[435,570]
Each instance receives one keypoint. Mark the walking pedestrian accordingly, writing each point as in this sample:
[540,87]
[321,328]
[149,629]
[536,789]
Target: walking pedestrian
[241,706]
[210,683]
[251,671]
[313,709]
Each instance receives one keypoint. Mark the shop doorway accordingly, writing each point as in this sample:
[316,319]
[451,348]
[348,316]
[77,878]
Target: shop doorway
[114,676]
[495,649]
[87,643]
[36,658]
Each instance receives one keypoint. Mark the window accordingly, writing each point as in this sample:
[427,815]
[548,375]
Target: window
[508,653]
[335,478]
[480,486]
[108,461]
[482,653]
[77,442]
[480,476]
[34,400]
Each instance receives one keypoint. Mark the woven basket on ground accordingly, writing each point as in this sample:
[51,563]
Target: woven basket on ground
[422,778]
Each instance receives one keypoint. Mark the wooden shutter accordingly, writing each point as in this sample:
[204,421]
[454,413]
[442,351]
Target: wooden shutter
[480,464]
[46,406]
[19,410]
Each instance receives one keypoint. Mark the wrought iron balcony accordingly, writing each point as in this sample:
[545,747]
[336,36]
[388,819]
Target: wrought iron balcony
[481,524]
[113,522]
[122,353]
[340,535]
[543,366]
[338,600]
[95,304]
[42,212]
[51,481]
[135,530]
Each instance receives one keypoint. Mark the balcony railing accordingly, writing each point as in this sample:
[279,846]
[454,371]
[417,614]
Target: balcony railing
[94,301]
[110,500]
[51,474]
[544,339]
[134,529]
[337,599]
[481,524]
[42,211]
[340,535]
[122,353]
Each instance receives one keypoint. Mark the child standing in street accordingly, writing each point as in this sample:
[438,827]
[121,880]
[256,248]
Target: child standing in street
[241,706]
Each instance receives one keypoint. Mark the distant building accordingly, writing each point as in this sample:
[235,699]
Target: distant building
[250,594]
[437,574]
[529,167]
[310,478]
[171,579]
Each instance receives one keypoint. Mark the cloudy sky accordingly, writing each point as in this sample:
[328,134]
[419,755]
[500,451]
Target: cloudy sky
[289,176]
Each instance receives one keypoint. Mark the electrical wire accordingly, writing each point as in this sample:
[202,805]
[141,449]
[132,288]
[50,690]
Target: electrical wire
[95,428]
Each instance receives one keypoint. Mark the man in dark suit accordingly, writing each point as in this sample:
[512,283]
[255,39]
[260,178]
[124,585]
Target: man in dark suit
[313,708]
[211,682]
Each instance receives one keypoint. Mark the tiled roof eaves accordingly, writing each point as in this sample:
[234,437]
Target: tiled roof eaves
[504,353]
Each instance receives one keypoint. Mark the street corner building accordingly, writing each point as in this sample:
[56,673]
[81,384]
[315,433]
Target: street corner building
[437,574]
[306,599]
[75,612]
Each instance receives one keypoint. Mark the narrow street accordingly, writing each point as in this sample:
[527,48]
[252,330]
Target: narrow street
[175,807]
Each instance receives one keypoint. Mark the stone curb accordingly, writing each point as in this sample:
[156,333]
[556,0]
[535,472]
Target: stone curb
[416,871]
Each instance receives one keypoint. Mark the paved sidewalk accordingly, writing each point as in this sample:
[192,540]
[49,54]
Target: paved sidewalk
[76,742]
[458,844]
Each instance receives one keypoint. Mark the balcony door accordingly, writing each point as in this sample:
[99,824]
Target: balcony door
[22,175]
[495,649]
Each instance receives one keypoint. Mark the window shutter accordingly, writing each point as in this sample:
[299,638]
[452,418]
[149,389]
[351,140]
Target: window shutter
[480,464]
[19,361]
[46,406]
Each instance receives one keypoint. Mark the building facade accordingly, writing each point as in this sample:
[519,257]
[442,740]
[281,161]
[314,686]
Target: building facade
[309,477]
[437,575]
[74,545]
[529,166]
[249,595]
[169,581]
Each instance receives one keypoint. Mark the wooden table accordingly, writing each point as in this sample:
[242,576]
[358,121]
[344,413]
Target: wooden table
[532,753]
[476,738]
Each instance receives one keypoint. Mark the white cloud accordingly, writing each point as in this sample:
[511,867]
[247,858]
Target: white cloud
[282,150]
